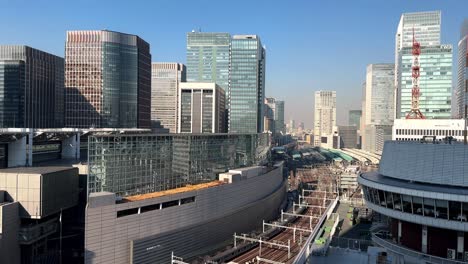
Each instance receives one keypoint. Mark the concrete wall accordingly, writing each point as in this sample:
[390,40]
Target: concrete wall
[108,238]
[9,225]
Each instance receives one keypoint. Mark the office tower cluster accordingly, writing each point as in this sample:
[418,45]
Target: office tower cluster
[420,61]
[107,80]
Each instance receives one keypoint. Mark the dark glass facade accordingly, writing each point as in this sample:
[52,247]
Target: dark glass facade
[31,88]
[247,85]
[144,163]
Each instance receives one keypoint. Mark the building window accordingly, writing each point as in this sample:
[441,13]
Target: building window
[127,212]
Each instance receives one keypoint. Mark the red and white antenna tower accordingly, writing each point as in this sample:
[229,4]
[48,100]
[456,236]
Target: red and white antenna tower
[415,113]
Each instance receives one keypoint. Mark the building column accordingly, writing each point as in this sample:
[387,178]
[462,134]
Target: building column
[17,153]
[399,231]
[424,239]
[71,147]
[460,242]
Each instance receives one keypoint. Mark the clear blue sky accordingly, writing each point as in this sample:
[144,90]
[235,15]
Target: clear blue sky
[311,44]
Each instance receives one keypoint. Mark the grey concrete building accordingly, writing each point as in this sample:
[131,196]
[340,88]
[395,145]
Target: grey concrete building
[201,108]
[32,88]
[31,203]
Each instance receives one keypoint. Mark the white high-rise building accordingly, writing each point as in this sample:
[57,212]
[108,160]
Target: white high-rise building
[201,108]
[462,78]
[165,80]
[426,29]
[324,117]
[377,106]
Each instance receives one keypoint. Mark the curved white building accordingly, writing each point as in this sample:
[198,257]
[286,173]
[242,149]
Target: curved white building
[423,190]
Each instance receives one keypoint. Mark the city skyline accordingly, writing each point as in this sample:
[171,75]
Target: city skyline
[169,43]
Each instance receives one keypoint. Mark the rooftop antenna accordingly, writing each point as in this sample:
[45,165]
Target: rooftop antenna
[415,113]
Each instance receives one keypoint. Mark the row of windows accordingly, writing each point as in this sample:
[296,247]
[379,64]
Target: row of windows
[429,132]
[153,207]
[443,209]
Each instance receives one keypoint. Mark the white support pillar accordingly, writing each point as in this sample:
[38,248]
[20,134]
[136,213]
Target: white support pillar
[399,231]
[460,242]
[424,239]
[71,147]
[17,153]
[29,149]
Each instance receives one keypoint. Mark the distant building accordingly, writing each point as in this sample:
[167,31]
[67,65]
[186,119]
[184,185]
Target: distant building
[274,109]
[354,118]
[165,80]
[247,84]
[279,118]
[208,58]
[31,87]
[462,78]
[201,108]
[435,63]
[348,136]
[425,27]
[301,127]
[107,80]
[291,126]
[435,82]
[378,103]
[325,116]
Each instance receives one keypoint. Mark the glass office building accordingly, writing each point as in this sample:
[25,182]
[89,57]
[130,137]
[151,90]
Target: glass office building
[144,163]
[31,88]
[208,57]
[354,118]
[247,85]
[435,81]
[107,79]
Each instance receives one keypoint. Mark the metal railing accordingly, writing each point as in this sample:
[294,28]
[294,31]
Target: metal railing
[400,250]
[350,243]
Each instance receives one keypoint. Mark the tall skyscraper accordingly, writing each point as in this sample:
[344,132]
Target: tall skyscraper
[435,82]
[269,114]
[201,108]
[279,117]
[107,80]
[31,88]
[208,57]
[274,110]
[324,116]
[165,80]
[354,118]
[378,103]
[462,78]
[247,84]
[426,28]
[435,63]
